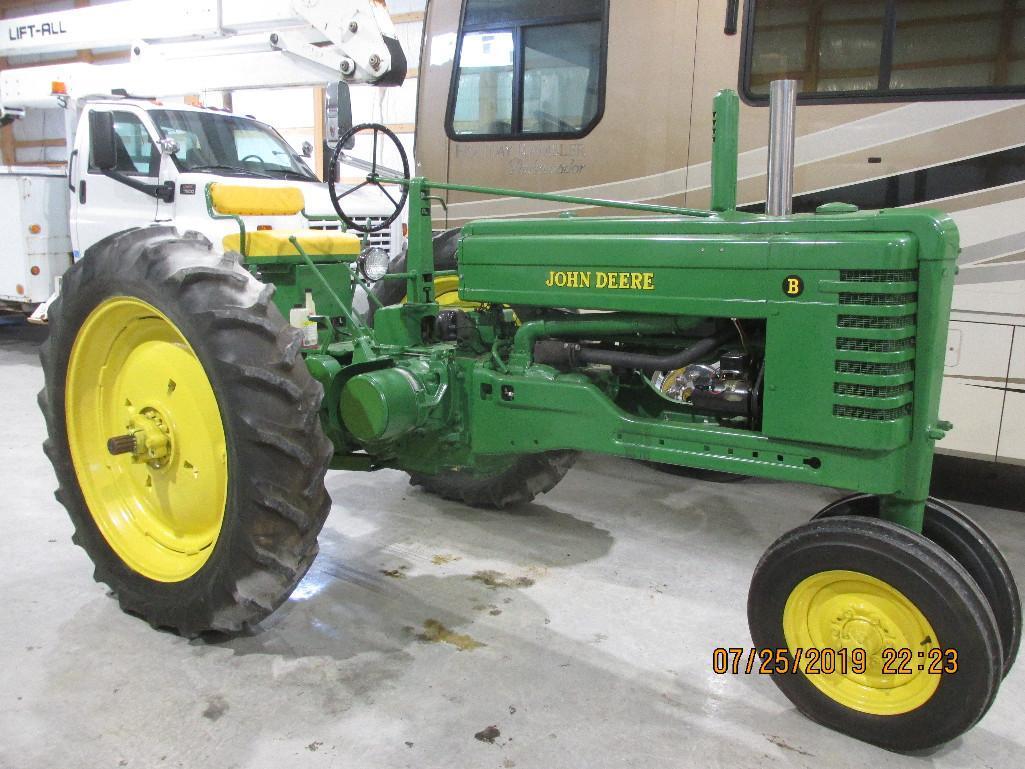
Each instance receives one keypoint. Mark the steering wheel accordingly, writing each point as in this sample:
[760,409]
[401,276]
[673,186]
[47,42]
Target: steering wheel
[243,160]
[374,177]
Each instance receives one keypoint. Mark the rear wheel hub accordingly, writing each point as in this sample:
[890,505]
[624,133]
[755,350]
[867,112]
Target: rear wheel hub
[146,439]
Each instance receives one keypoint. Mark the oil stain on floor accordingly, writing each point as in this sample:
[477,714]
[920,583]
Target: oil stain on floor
[435,632]
[496,579]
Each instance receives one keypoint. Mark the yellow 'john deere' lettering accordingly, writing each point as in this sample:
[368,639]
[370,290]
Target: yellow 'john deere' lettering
[636,281]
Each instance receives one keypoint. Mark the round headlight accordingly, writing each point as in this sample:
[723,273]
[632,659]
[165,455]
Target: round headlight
[373,264]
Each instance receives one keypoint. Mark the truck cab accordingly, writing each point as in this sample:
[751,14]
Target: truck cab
[165,156]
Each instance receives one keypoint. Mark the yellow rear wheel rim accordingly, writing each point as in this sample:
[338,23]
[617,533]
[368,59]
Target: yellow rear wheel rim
[446,294]
[132,372]
[846,610]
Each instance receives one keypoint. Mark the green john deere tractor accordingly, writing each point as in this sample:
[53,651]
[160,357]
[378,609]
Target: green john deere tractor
[190,425]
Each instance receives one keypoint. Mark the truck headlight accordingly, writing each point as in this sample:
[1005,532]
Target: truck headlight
[373,264]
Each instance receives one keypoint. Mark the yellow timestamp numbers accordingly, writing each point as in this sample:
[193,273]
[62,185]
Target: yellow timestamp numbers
[828,661]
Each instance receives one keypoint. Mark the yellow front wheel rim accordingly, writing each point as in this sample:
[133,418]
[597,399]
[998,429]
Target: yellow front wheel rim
[846,610]
[132,372]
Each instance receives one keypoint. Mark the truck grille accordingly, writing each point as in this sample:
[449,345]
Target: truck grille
[381,238]
[875,345]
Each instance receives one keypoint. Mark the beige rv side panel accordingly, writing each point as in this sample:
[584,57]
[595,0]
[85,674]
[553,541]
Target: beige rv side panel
[1012,432]
[974,379]
[644,129]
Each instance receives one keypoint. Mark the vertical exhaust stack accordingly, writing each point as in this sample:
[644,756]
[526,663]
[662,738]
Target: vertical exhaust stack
[779,196]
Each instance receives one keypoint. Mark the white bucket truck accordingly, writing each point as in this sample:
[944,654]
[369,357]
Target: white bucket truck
[166,155]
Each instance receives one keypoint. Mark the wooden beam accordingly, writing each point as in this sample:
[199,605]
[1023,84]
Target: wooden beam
[18,144]
[318,131]
[16,4]
[84,54]
[48,163]
[7,151]
[406,18]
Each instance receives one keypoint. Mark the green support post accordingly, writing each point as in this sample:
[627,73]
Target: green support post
[420,253]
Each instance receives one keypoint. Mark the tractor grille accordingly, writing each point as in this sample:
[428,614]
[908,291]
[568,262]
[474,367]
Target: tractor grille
[873,369]
[870,391]
[875,344]
[877,299]
[867,321]
[879,276]
[880,415]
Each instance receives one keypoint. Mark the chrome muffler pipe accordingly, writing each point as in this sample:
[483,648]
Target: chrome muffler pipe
[779,195]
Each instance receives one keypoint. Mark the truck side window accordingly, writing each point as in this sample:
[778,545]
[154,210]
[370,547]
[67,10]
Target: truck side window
[136,153]
[528,69]
[885,49]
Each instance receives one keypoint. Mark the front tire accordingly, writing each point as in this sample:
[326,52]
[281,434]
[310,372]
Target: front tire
[970,546]
[208,516]
[851,583]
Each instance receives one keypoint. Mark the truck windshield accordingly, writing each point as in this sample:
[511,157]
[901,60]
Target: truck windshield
[227,144]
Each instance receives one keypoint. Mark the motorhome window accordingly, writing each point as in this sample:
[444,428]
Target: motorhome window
[879,49]
[529,68]
[945,44]
[219,143]
[136,154]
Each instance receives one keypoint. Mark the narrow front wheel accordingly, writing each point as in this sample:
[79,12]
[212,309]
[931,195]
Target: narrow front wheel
[970,546]
[892,641]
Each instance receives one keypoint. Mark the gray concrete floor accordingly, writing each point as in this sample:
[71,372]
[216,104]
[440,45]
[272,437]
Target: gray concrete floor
[595,648]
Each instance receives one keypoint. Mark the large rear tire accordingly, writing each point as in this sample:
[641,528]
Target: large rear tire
[518,483]
[203,513]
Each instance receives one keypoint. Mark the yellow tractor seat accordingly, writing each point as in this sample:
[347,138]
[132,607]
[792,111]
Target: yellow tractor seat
[236,200]
[240,200]
[273,243]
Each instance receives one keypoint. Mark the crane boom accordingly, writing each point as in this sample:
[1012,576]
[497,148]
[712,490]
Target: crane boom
[203,45]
